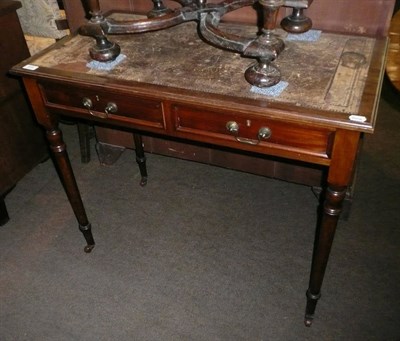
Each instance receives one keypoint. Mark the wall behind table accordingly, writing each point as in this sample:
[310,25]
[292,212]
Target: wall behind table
[371,18]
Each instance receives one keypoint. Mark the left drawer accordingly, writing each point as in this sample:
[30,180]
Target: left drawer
[115,106]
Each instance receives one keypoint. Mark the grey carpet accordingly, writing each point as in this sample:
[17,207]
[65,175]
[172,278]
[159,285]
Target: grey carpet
[200,253]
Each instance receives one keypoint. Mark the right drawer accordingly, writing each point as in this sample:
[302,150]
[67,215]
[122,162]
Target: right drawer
[252,130]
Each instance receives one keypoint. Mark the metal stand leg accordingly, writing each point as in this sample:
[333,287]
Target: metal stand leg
[140,158]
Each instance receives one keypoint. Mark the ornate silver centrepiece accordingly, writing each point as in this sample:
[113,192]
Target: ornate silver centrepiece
[265,47]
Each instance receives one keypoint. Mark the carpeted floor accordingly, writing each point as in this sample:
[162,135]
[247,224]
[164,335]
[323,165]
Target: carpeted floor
[200,253]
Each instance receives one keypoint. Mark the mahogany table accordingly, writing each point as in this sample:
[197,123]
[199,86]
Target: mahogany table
[172,84]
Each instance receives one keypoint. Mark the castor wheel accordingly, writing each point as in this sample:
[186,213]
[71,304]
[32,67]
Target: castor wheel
[143,181]
[308,319]
[88,248]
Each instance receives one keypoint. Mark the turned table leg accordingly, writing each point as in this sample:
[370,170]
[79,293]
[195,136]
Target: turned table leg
[343,158]
[59,151]
[58,148]
[331,211]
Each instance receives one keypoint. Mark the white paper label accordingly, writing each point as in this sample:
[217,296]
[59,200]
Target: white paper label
[30,67]
[357,118]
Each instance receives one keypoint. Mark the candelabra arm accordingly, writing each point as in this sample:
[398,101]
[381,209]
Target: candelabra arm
[208,28]
[145,25]
[265,47]
[184,3]
[232,5]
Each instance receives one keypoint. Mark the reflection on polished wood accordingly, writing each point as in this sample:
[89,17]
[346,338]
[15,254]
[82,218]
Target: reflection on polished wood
[393,59]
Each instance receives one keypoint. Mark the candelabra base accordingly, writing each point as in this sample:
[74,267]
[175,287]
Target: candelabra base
[263,74]
[297,22]
[104,50]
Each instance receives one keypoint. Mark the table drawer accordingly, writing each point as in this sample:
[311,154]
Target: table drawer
[124,108]
[252,130]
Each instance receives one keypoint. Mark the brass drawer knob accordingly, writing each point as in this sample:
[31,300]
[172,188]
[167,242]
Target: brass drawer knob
[264,133]
[232,127]
[87,103]
[111,108]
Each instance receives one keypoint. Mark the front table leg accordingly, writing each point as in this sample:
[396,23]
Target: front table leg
[49,122]
[340,171]
[58,148]
[331,211]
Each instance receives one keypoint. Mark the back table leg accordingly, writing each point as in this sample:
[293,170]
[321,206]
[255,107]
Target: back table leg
[58,148]
[140,158]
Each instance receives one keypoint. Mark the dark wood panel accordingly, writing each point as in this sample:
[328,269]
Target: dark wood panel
[21,140]
[246,162]
[339,16]
[368,17]
[12,44]
[22,143]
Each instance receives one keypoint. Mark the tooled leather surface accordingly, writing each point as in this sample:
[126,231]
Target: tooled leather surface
[316,73]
